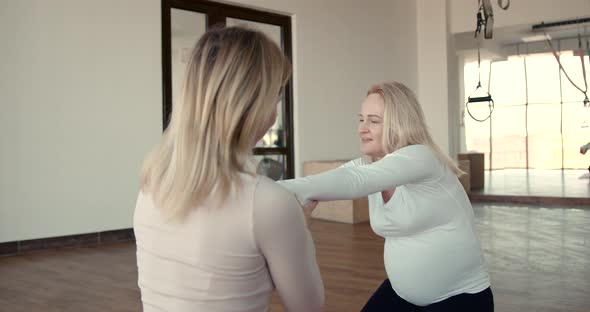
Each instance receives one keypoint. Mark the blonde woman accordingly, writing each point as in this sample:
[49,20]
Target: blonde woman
[432,254]
[211,234]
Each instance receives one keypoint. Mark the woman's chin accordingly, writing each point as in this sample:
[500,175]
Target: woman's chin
[375,155]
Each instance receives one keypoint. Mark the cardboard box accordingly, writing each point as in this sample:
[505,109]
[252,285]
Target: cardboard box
[345,211]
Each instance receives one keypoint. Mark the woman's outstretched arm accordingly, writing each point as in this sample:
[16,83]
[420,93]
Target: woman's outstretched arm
[410,164]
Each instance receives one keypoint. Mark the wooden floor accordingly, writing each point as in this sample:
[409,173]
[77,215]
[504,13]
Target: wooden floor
[539,260]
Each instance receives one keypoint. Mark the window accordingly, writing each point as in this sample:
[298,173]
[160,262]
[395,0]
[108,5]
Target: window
[539,120]
[183,23]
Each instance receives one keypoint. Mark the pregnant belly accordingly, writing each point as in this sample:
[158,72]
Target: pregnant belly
[425,270]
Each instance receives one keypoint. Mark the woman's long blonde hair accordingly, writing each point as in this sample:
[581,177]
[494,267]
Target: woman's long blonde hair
[233,82]
[404,123]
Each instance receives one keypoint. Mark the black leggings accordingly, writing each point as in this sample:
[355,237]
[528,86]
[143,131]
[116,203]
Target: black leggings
[385,299]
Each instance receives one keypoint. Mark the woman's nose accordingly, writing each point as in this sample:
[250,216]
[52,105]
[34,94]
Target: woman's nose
[363,127]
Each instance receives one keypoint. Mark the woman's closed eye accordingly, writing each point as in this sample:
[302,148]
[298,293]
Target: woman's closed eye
[372,121]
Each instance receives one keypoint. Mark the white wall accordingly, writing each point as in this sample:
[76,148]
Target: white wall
[80,96]
[432,68]
[405,43]
[520,12]
[454,87]
[80,104]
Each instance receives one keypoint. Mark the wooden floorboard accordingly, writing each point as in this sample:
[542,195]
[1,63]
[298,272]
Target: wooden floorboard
[539,260]
[101,278]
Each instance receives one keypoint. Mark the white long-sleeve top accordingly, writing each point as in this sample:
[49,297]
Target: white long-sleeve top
[228,257]
[431,248]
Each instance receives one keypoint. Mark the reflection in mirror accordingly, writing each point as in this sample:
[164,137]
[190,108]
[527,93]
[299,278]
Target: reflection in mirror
[272,166]
[276,135]
[186,28]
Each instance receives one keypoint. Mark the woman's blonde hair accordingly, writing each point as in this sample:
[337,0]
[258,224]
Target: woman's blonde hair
[233,82]
[404,123]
